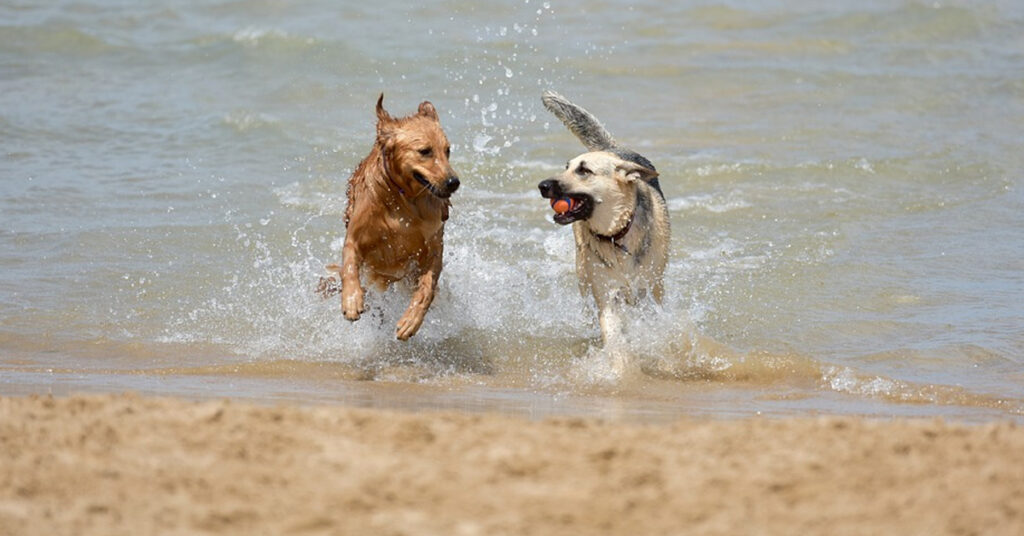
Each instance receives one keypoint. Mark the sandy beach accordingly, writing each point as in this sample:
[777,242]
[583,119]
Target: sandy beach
[127,464]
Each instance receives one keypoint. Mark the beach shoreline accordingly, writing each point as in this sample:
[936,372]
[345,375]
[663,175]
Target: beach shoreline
[130,464]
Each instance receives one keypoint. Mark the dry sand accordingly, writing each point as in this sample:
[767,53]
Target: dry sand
[135,465]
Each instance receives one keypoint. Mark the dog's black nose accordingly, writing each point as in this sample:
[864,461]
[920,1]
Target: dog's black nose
[546,187]
[451,183]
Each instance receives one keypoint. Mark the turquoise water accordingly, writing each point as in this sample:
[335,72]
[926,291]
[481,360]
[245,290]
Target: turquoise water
[845,186]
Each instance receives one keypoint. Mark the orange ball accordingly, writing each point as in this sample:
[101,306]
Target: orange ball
[562,205]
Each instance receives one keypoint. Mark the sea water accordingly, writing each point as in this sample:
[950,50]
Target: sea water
[844,183]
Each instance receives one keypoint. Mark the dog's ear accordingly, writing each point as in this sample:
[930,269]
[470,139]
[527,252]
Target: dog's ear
[631,171]
[427,110]
[384,119]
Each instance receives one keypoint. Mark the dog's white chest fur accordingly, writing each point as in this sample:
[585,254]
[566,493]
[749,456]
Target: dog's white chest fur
[627,271]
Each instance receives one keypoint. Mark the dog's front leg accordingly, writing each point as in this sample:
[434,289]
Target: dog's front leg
[351,289]
[613,335]
[422,297]
[612,328]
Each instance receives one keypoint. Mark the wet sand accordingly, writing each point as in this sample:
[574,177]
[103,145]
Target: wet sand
[125,464]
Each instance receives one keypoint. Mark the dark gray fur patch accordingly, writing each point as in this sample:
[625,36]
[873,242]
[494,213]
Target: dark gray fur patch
[637,158]
[632,156]
[642,220]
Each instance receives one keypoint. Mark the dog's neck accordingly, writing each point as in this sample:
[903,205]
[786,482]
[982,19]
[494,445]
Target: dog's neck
[382,165]
[616,239]
[621,233]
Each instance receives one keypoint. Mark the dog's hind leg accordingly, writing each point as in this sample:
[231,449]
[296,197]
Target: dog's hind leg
[330,285]
[351,290]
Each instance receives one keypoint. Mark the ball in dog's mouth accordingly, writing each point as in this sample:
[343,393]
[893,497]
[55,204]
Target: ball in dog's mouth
[571,208]
[563,205]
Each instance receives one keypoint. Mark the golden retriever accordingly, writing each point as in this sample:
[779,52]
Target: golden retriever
[398,202]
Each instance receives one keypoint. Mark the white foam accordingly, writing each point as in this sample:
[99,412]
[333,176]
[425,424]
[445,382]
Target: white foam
[251,35]
[712,203]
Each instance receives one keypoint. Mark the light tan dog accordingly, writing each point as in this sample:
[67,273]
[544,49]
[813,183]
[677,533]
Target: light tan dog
[397,206]
[618,215]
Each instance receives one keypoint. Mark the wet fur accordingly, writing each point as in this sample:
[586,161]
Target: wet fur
[623,185]
[397,206]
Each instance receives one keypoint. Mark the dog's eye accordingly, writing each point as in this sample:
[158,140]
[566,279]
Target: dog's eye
[447,151]
[426,151]
[583,170]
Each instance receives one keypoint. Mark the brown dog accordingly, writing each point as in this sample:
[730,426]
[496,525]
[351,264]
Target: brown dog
[397,206]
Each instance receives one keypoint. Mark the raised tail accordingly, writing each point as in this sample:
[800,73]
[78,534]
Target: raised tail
[580,122]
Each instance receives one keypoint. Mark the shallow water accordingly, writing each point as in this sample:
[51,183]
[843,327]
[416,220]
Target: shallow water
[845,186]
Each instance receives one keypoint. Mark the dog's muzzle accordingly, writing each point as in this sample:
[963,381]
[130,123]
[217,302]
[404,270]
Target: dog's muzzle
[552,189]
[451,183]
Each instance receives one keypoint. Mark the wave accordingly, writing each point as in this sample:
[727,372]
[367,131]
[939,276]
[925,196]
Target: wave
[246,121]
[252,36]
[272,46]
[916,22]
[59,39]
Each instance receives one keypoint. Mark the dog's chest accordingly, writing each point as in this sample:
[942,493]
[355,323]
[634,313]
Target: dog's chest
[401,238]
[393,255]
[414,229]
[606,268]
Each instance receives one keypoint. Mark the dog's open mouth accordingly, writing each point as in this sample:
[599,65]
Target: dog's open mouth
[572,207]
[568,206]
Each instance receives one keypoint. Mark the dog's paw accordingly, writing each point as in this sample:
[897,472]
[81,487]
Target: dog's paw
[409,324]
[352,306]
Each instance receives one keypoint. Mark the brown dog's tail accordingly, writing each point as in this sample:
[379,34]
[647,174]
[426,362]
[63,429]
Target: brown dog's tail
[580,122]
[330,285]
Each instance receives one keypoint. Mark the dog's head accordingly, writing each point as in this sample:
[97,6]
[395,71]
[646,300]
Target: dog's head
[416,151]
[602,186]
